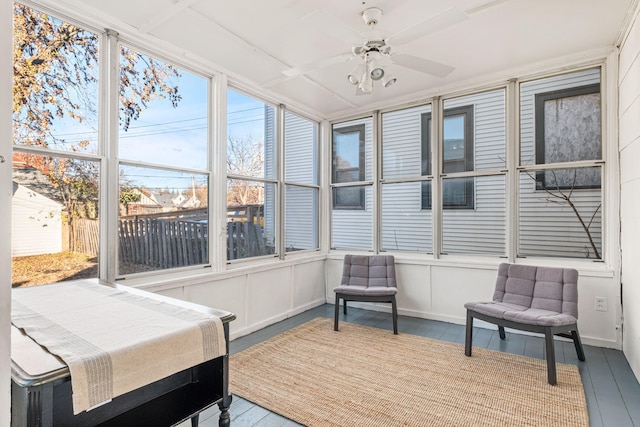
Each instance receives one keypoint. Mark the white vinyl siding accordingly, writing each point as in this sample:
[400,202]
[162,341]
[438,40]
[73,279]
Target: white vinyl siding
[301,203]
[36,223]
[301,148]
[481,230]
[354,228]
[301,218]
[548,226]
[489,127]
[401,143]
[270,168]
[405,225]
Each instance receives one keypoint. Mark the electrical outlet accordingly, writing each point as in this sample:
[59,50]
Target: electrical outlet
[601,304]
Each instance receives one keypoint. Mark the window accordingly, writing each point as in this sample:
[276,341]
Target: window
[301,183]
[348,166]
[352,184]
[158,164]
[474,183]
[56,163]
[251,177]
[560,205]
[163,191]
[405,226]
[568,129]
[457,153]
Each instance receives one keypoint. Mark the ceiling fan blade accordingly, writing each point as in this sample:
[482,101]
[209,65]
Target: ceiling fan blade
[430,25]
[423,65]
[316,65]
[323,22]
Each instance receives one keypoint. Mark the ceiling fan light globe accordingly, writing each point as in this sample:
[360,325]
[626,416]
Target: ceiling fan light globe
[353,79]
[389,80]
[354,76]
[377,73]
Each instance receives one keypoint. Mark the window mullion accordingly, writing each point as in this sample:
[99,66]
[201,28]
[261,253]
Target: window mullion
[280,174]
[436,170]
[108,134]
[512,155]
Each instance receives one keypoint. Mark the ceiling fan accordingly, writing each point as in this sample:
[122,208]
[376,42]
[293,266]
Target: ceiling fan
[374,54]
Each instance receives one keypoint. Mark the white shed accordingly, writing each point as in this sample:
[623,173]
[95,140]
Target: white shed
[37,223]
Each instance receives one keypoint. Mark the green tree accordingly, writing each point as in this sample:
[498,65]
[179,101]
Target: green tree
[55,67]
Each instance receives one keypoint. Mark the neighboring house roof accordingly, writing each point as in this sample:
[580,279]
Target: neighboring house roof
[191,202]
[172,200]
[36,181]
[27,197]
[163,199]
[145,199]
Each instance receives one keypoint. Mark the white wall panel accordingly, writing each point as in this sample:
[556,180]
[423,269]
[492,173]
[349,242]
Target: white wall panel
[439,291]
[629,109]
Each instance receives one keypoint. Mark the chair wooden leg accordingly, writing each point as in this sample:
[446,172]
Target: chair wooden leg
[394,314]
[578,344]
[501,332]
[337,313]
[469,335]
[551,356]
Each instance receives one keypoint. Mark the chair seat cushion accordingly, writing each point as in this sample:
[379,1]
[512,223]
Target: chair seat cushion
[365,291]
[521,314]
[536,316]
[494,309]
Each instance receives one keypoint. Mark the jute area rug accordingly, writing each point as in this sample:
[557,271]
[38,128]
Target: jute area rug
[363,376]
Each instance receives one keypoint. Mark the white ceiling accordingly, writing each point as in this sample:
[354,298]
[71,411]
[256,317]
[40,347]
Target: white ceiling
[256,40]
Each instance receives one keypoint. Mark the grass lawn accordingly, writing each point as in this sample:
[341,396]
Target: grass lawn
[50,268]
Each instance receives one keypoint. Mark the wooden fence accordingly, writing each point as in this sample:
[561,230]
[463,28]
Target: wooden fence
[245,239]
[83,236]
[178,239]
[163,243]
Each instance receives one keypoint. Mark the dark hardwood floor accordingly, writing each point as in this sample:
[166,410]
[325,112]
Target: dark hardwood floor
[612,391]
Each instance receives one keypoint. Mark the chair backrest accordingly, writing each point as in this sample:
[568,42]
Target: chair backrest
[369,270]
[546,288]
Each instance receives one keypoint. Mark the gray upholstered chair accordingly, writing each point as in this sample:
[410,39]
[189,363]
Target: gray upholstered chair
[370,278]
[534,299]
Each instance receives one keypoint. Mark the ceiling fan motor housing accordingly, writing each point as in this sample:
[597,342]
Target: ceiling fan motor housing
[372,16]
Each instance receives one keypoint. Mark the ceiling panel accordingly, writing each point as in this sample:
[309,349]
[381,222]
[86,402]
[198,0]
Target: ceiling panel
[257,40]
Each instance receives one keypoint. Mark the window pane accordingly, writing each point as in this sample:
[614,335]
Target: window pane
[402,139]
[548,223]
[162,220]
[171,127]
[354,228]
[301,150]
[55,94]
[349,198]
[349,154]
[351,162]
[301,218]
[480,230]
[54,235]
[251,227]
[560,118]
[251,137]
[454,142]
[405,225]
[481,120]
